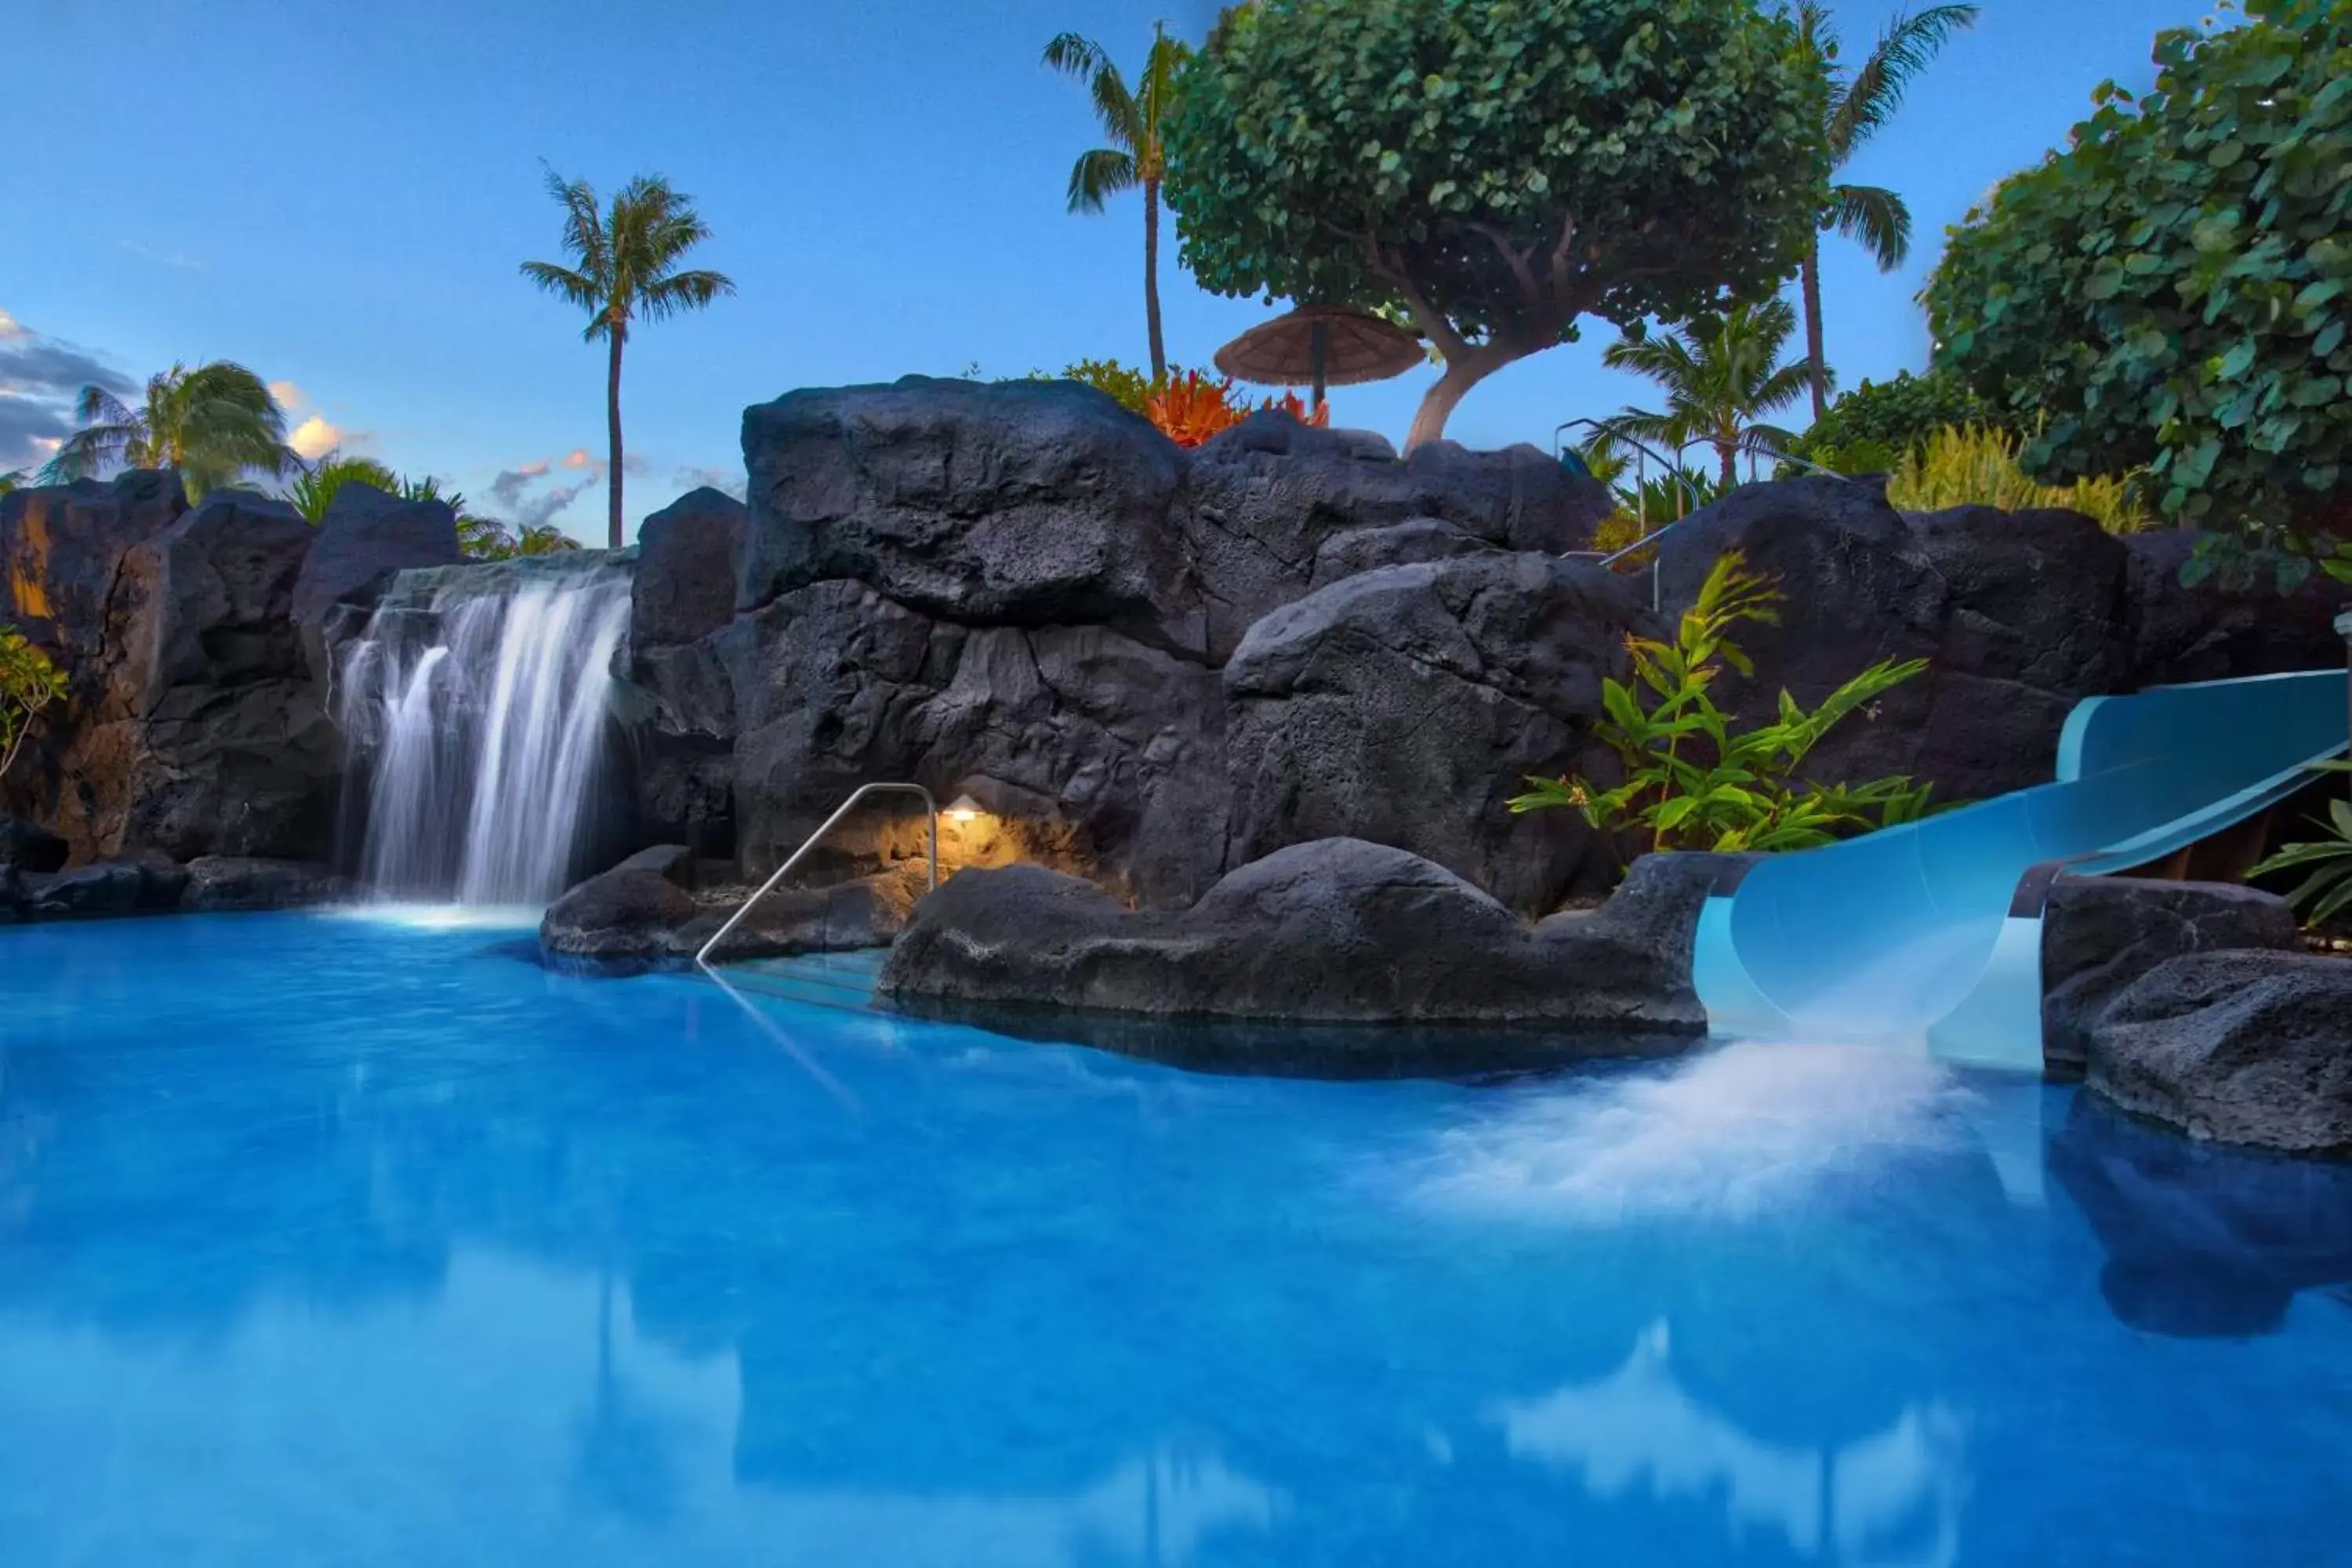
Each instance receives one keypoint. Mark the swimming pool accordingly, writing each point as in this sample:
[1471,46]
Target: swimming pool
[337,1240]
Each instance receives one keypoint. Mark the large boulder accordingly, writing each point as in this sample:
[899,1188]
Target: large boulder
[365,537]
[1340,931]
[2212,633]
[625,916]
[1023,503]
[61,553]
[1094,749]
[2019,616]
[194,729]
[2101,934]
[683,596]
[1407,705]
[1270,499]
[220,884]
[2236,1047]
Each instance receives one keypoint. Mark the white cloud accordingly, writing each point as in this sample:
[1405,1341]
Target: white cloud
[578,458]
[290,397]
[11,328]
[315,438]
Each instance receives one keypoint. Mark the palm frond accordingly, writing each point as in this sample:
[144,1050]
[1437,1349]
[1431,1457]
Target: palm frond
[1098,176]
[1906,45]
[1877,217]
[682,291]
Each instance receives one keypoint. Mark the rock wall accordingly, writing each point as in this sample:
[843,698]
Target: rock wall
[195,722]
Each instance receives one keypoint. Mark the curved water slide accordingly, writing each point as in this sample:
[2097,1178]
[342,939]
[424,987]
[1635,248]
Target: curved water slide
[1928,936]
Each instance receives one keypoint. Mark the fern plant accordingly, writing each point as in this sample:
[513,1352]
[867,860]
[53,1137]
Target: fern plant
[28,683]
[1691,781]
[2328,892]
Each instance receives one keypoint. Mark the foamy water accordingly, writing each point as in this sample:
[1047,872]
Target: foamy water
[1729,1134]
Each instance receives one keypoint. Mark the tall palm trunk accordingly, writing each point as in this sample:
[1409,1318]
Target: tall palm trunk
[612,428]
[1152,277]
[1810,271]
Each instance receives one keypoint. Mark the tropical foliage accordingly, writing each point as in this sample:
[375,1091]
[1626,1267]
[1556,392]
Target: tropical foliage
[12,480]
[1860,105]
[28,683]
[1721,377]
[1892,417]
[1971,465]
[626,267]
[2175,288]
[1691,779]
[2326,892]
[313,491]
[1188,405]
[487,539]
[1499,171]
[1133,120]
[215,423]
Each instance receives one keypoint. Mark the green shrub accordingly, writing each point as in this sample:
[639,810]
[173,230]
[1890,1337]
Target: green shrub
[1693,783]
[1894,418]
[2328,892]
[1971,465]
[28,683]
[2173,291]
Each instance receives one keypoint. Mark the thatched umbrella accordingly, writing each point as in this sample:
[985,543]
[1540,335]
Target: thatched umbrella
[1320,346]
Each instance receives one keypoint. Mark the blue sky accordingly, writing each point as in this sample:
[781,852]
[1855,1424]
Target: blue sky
[338,195]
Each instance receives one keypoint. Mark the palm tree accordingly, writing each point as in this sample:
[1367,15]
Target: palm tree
[1132,120]
[313,489]
[626,268]
[215,424]
[1720,381]
[1859,106]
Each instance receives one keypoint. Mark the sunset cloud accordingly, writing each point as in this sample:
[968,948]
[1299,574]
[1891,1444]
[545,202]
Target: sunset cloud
[315,438]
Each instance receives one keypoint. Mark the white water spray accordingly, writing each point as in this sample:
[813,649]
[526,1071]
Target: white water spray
[482,697]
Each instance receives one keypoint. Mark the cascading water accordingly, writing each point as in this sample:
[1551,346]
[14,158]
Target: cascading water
[481,698]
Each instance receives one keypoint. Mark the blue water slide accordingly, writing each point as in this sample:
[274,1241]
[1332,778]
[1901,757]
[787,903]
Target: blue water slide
[1928,936]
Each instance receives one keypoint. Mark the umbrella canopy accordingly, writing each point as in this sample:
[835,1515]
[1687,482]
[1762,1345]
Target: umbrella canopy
[1319,347]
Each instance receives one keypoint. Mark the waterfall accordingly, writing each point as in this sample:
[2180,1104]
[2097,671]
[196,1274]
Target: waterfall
[477,702]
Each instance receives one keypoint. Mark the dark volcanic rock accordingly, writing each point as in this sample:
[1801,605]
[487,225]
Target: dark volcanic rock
[626,914]
[61,547]
[1407,705]
[2240,1048]
[2019,616]
[30,847]
[191,729]
[684,595]
[221,883]
[226,750]
[685,587]
[1398,544]
[864,912]
[1095,749]
[103,889]
[1025,503]
[2206,633]
[638,915]
[365,537]
[1336,931]
[1268,495]
[2101,934]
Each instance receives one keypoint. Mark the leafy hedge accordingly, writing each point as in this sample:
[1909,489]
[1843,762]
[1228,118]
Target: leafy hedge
[2171,290]
[1901,414]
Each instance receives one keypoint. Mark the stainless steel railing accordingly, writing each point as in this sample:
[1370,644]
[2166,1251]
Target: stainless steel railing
[702,955]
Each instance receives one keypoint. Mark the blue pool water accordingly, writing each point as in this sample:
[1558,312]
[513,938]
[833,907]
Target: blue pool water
[328,1240]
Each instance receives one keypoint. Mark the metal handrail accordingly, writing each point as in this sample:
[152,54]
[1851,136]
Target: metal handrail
[1642,450]
[702,954]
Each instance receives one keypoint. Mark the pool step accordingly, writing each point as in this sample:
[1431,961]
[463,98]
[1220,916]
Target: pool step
[842,980]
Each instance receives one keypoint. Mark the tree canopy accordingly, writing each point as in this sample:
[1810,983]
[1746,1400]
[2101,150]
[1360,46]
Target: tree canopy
[1495,169]
[2170,291]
